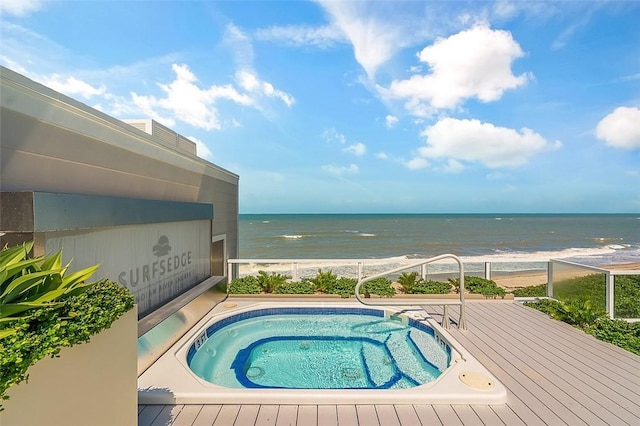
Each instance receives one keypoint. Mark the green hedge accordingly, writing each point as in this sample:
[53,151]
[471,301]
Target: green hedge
[592,320]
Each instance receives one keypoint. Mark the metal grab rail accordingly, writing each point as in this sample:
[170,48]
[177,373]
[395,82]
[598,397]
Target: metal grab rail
[445,317]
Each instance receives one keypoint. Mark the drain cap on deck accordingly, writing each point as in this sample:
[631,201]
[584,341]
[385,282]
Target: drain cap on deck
[476,380]
[230,305]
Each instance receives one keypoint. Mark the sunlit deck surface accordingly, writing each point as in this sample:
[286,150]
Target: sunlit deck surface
[554,374]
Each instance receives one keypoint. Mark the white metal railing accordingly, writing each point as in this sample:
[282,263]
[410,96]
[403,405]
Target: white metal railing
[445,317]
[360,268]
[609,281]
[365,267]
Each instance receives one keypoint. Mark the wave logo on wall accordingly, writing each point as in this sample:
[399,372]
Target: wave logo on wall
[162,248]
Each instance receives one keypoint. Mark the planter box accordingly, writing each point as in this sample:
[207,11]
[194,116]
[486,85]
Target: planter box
[450,296]
[93,383]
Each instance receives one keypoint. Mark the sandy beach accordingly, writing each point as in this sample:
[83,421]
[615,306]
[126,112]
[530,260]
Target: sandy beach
[530,278]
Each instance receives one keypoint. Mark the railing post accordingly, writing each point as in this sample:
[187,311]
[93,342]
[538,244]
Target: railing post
[550,278]
[487,270]
[610,280]
[294,271]
[423,271]
[359,271]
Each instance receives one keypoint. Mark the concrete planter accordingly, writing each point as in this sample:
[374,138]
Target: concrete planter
[93,383]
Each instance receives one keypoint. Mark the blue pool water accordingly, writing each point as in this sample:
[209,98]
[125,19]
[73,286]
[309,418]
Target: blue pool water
[318,348]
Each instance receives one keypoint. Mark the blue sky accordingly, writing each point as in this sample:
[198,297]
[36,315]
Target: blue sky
[365,106]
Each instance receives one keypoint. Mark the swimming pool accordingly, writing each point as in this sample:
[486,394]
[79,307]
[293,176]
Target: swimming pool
[317,353]
[318,348]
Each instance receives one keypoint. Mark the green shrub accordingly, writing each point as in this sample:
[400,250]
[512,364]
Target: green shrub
[269,282]
[408,281]
[344,287]
[323,281]
[590,287]
[548,306]
[28,284]
[245,285]
[581,314]
[297,287]
[620,333]
[47,329]
[626,303]
[531,291]
[380,286]
[431,287]
[477,285]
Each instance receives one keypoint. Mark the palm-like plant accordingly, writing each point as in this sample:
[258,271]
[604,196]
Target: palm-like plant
[34,283]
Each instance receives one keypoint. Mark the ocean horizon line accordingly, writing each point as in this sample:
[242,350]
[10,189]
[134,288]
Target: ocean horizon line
[440,214]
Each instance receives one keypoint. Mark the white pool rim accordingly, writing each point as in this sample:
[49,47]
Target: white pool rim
[170,380]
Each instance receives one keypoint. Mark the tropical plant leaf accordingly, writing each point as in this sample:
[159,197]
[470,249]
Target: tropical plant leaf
[13,268]
[78,289]
[79,276]
[14,254]
[7,332]
[9,310]
[52,262]
[22,284]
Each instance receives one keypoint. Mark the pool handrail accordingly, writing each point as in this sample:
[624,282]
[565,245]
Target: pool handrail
[445,317]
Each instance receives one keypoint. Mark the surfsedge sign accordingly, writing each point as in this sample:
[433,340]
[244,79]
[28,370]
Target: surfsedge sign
[156,262]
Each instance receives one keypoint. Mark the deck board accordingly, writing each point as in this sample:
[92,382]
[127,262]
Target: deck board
[524,357]
[187,415]
[327,415]
[287,415]
[267,416]
[247,415]
[367,415]
[308,416]
[576,393]
[554,374]
[407,415]
[347,415]
[207,415]
[227,415]
[387,415]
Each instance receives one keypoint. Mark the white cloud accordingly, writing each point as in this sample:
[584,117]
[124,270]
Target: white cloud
[474,141]
[184,99]
[453,166]
[240,45]
[504,9]
[300,35]
[202,150]
[242,49]
[621,128]
[473,63]
[382,156]
[251,83]
[357,148]
[374,31]
[188,102]
[390,121]
[417,163]
[341,170]
[20,7]
[72,86]
[332,135]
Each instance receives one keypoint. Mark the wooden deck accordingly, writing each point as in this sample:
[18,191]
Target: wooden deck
[554,374]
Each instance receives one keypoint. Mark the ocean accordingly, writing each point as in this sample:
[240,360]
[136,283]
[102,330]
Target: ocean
[599,239]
